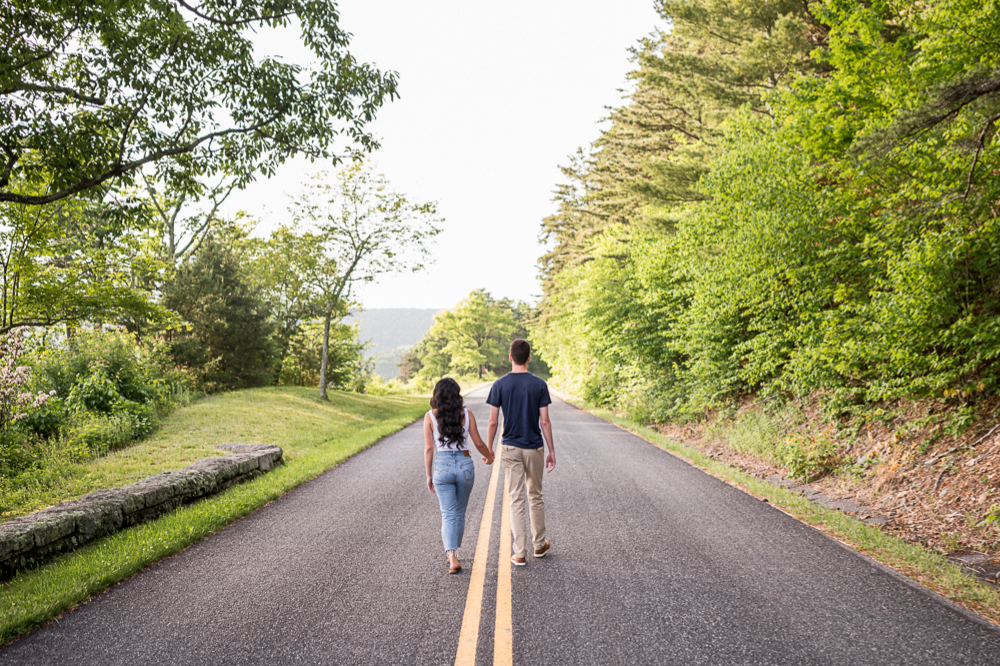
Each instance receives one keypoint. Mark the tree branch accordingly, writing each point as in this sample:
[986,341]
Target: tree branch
[979,149]
[142,102]
[200,233]
[44,54]
[152,197]
[9,167]
[120,169]
[246,21]
[69,92]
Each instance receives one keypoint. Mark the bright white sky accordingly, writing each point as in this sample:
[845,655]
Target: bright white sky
[493,98]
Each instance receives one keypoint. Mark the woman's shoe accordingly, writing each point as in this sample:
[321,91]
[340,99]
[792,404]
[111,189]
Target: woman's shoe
[455,569]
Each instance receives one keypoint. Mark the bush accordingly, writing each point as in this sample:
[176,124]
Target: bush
[106,389]
[15,405]
[346,366]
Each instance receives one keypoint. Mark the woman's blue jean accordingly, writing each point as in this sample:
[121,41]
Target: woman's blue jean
[453,477]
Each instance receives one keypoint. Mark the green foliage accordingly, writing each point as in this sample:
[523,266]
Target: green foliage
[814,462]
[73,262]
[356,229]
[473,339]
[821,223]
[346,369]
[134,371]
[106,390]
[92,92]
[227,342]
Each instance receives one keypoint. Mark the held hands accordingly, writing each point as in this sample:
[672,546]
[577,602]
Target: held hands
[489,461]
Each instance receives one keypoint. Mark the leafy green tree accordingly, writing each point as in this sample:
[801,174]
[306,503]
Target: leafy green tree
[278,268]
[345,356]
[643,171]
[72,262]
[359,229]
[479,331]
[228,338]
[91,93]
[473,338]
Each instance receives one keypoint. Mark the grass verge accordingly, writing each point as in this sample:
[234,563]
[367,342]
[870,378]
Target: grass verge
[290,417]
[318,436]
[929,568]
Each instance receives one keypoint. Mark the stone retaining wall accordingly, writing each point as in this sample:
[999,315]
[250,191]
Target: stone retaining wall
[37,537]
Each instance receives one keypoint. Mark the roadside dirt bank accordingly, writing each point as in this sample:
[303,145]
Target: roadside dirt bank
[926,473]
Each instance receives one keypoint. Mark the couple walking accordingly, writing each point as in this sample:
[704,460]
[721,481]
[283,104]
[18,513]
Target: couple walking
[448,427]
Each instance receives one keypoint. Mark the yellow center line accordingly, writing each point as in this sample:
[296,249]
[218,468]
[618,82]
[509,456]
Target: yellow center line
[469,636]
[503,648]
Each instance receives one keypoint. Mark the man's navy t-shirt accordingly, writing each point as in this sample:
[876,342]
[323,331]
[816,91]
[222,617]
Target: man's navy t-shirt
[520,395]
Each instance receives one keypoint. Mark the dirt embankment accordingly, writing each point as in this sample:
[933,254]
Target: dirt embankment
[927,473]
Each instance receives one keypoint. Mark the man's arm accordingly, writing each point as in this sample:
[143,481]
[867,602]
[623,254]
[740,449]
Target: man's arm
[550,460]
[491,432]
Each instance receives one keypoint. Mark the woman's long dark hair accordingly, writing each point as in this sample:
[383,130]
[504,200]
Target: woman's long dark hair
[447,400]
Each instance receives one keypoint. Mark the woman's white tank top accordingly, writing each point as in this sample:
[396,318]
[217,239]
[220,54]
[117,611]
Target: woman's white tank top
[437,435]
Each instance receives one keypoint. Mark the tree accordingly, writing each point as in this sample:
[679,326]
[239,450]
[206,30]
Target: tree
[279,267]
[474,337]
[183,234]
[479,331]
[71,262]
[643,170]
[360,230]
[90,93]
[301,365]
[228,341]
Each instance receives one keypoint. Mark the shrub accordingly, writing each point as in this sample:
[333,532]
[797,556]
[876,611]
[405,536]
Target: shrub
[345,358]
[15,406]
[106,389]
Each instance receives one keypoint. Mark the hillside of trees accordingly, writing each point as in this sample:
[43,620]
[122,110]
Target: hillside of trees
[796,197]
[793,218]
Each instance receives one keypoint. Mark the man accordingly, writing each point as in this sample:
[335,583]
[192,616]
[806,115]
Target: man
[525,401]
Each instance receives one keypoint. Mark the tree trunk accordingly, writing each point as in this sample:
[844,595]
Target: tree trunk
[326,353]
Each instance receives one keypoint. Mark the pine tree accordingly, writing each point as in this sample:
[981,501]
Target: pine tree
[229,339]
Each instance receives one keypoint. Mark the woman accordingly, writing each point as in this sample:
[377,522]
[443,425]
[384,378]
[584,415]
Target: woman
[448,425]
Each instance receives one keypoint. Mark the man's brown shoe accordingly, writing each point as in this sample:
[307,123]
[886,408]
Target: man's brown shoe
[518,561]
[544,549]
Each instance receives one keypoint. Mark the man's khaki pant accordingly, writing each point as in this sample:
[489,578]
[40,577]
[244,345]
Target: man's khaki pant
[524,467]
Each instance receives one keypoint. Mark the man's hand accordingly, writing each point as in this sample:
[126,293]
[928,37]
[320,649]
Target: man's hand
[430,484]
[550,461]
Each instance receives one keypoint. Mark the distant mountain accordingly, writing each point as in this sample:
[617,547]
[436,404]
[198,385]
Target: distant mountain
[391,332]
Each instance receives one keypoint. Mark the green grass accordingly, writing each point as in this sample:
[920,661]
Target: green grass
[290,417]
[314,435]
[924,566]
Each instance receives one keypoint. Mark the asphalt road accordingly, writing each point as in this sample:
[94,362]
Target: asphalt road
[653,562]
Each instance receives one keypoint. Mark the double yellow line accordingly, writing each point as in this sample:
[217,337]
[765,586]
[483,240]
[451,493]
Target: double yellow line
[468,639]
